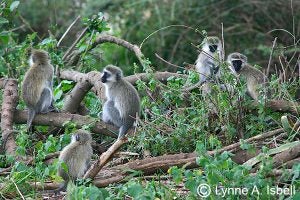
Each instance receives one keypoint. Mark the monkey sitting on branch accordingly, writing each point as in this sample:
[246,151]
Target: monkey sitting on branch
[76,156]
[123,102]
[255,79]
[37,86]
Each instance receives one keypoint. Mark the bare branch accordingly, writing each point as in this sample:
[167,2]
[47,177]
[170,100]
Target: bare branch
[67,31]
[104,158]
[9,104]
[59,119]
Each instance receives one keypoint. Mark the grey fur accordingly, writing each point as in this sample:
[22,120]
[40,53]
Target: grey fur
[123,101]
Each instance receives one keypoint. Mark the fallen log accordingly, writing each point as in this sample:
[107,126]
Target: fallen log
[9,104]
[59,119]
[285,156]
[151,165]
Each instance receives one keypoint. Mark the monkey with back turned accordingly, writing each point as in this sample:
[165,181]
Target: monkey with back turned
[37,85]
[74,159]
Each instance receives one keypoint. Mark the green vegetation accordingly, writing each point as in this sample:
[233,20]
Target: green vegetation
[171,122]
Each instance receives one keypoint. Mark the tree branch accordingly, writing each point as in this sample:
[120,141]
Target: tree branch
[59,119]
[104,158]
[9,104]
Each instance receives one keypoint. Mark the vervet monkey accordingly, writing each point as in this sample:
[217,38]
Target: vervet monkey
[254,78]
[208,61]
[123,102]
[76,156]
[37,85]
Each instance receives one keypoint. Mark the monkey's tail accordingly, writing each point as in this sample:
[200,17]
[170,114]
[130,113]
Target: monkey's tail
[31,115]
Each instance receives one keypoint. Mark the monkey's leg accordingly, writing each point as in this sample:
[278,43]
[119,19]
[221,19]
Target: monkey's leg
[45,101]
[111,114]
[52,108]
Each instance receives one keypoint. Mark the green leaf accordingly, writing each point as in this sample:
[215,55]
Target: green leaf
[134,190]
[3,20]
[4,38]
[57,94]
[47,41]
[14,5]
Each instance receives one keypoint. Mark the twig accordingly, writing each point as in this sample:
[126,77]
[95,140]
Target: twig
[104,158]
[177,66]
[18,189]
[28,25]
[67,31]
[223,44]
[74,43]
[163,28]
[270,58]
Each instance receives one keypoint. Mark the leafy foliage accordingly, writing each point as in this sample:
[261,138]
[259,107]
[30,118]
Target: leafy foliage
[173,122]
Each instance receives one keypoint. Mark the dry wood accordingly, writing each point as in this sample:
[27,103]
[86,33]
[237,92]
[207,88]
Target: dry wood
[104,158]
[59,119]
[149,166]
[9,104]
[67,31]
[291,163]
[74,43]
[104,39]
[283,106]
[112,39]
[74,98]
[94,78]
[286,156]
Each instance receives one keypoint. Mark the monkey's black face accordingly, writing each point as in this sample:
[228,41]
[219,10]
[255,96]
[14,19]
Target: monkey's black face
[237,64]
[213,48]
[104,77]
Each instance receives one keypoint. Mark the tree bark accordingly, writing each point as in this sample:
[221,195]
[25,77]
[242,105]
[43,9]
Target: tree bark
[58,120]
[104,158]
[94,78]
[286,156]
[9,104]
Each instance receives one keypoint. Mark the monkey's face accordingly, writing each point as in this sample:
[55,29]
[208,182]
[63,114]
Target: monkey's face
[211,47]
[211,44]
[109,77]
[237,65]
[81,137]
[236,62]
